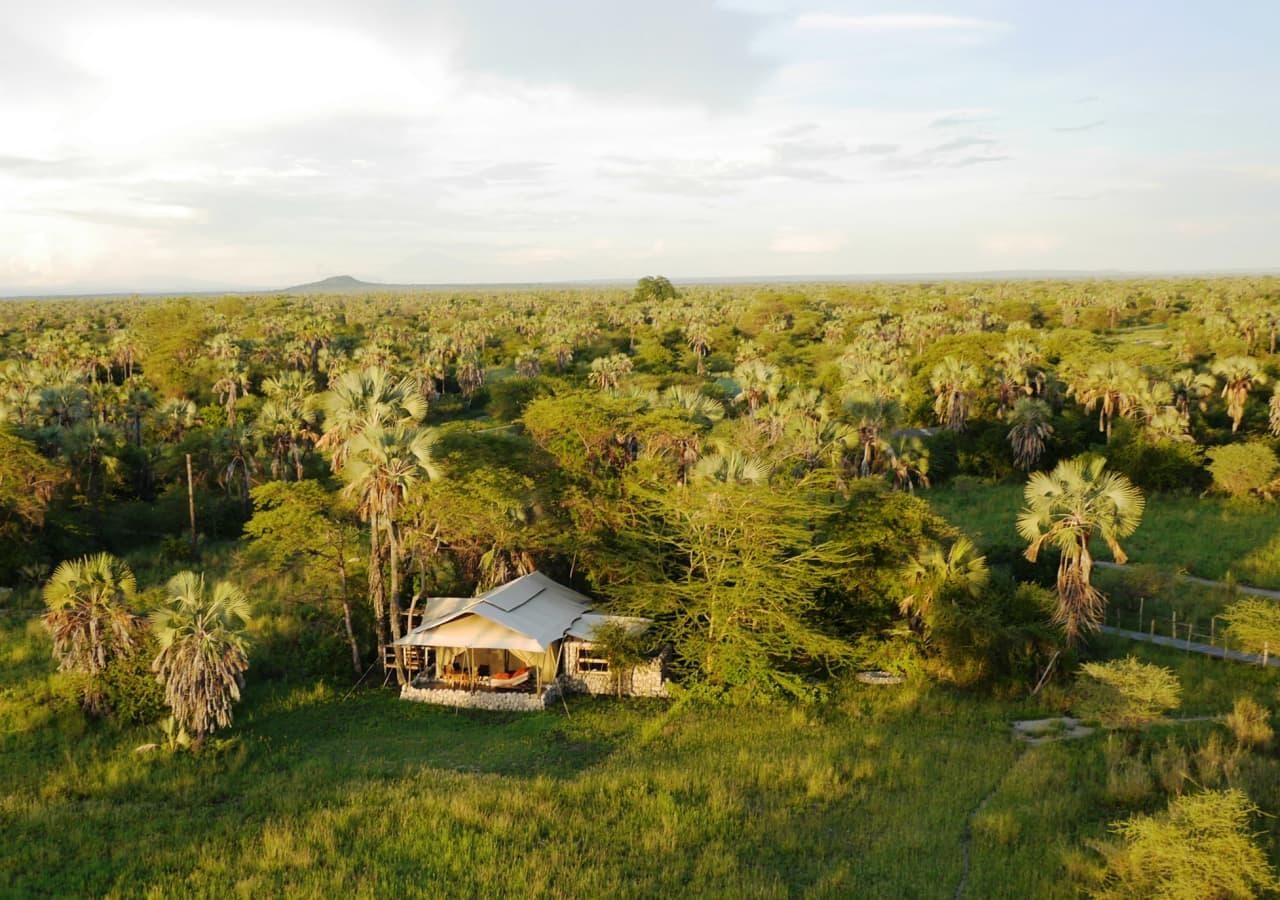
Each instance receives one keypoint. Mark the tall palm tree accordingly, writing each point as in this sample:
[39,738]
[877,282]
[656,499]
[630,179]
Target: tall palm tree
[607,372]
[733,467]
[383,465]
[1111,387]
[1064,509]
[88,614]
[1029,430]
[953,381]
[1273,412]
[759,383]
[1190,389]
[203,653]
[960,570]
[1240,375]
[1019,373]
[287,420]
[366,399]
[698,335]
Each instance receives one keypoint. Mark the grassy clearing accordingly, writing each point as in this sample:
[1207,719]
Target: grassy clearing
[1202,536]
[866,795]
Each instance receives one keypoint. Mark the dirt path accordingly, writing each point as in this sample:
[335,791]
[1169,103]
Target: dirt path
[966,837]
[1206,582]
[1205,649]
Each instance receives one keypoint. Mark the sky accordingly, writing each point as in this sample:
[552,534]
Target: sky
[175,145]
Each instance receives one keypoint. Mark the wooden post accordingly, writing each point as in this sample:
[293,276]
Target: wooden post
[1142,601]
[1173,629]
[191,504]
[1153,627]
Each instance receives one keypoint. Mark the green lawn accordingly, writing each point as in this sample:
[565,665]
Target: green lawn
[867,796]
[1208,537]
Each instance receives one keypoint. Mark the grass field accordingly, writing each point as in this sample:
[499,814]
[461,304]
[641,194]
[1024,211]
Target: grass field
[1201,536]
[867,795]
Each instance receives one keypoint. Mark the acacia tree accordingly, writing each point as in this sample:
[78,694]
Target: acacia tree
[203,657]
[1064,509]
[733,572]
[88,615]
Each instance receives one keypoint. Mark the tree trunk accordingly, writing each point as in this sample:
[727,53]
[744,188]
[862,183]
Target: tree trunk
[346,607]
[397,629]
[376,588]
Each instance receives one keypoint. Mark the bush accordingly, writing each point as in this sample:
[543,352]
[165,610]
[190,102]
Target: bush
[1242,469]
[1128,777]
[131,690]
[1254,624]
[1161,465]
[1250,722]
[1172,766]
[1126,693]
[1201,846]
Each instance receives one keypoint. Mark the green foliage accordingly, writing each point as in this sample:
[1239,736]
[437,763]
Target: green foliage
[1242,470]
[1126,693]
[130,689]
[1201,846]
[1254,624]
[732,572]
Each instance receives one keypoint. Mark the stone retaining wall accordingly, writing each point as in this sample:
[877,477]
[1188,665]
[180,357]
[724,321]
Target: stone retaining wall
[513,701]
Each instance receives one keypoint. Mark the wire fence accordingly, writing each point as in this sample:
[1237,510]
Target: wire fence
[1186,631]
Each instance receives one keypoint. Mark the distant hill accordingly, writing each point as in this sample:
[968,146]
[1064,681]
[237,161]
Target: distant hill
[336,284]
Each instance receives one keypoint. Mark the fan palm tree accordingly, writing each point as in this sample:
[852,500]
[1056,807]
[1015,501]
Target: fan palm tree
[934,574]
[1191,389]
[366,399]
[953,382]
[287,420]
[1110,387]
[1028,431]
[733,467]
[1064,509]
[1240,375]
[1273,412]
[759,383]
[607,372]
[1018,373]
[88,615]
[698,335]
[203,657]
[383,465]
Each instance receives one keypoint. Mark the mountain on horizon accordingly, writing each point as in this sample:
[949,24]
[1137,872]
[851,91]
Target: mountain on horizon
[334,284]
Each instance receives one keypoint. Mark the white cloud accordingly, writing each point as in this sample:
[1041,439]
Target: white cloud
[902,22]
[807,243]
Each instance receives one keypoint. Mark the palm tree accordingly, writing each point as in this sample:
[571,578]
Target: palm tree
[1110,386]
[607,372]
[1191,388]
[383,465]
[1240,375]
[733,467]
[932,575]
[1273,411]
[202,656]
[287,421]
[1029,431]
[953,382]
[909,464]
[759,383]
[88,615]
[698,335]
[1018,373]
[366,399]
[1064,509]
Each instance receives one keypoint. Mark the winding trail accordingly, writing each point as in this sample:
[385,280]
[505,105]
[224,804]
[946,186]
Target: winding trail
[966,837]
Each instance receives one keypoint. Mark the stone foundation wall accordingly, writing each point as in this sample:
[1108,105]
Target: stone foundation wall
[645,680]
[514,701]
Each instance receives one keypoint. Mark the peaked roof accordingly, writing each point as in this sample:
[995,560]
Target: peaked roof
[532,605]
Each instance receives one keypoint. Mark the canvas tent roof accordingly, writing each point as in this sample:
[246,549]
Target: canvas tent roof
[530,613]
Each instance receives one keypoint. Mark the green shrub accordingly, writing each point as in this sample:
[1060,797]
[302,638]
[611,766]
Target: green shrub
[1250,722]
[1126,693]
[132,692]
[1242,469]
[1201,846]
[1172,766]
[1254,624]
